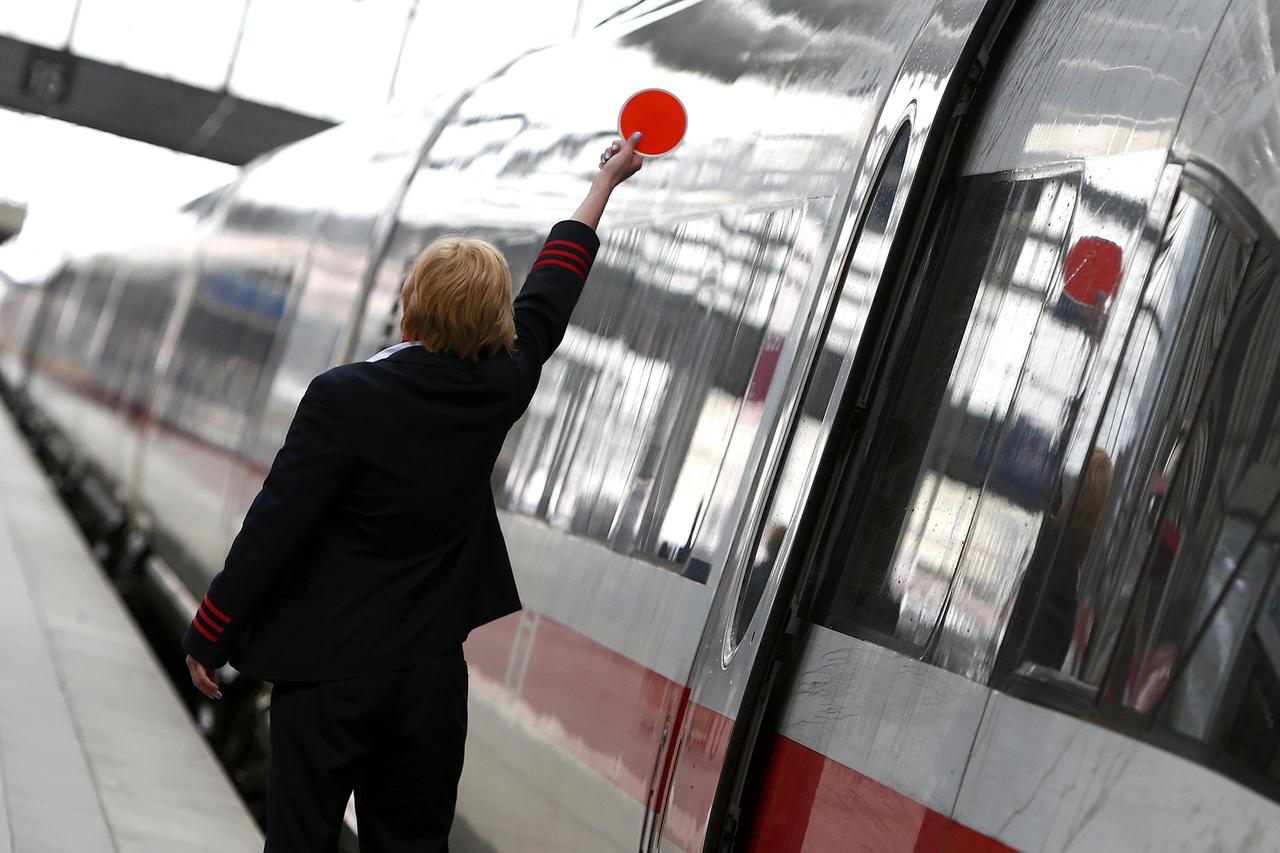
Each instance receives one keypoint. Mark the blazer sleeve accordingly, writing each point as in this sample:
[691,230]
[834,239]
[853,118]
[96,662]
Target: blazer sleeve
[548,297]
[308,474]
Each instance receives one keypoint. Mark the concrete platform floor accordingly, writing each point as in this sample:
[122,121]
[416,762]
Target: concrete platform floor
[97,752]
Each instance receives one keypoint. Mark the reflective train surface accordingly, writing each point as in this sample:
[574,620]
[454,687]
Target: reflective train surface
[909,478]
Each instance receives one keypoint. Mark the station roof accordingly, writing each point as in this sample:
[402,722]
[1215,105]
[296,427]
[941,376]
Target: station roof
[165,112]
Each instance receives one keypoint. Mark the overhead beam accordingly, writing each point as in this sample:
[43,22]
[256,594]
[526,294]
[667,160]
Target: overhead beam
[140,106]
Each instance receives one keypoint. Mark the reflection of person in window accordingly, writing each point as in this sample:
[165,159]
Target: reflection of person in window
[1064,617]
[753,589]
[1149,675]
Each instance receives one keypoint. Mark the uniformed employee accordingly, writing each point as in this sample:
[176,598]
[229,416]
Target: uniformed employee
[373,547]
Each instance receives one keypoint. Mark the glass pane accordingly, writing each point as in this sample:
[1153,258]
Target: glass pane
[1203,575]
[57,318]
[654,400]
[1194,284]
[1251,739]
[868,256]
[376,157]
[908,518]
[1238,573]
[1103,483]
[129,353]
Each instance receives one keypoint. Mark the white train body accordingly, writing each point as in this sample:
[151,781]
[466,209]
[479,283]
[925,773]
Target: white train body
[908,479]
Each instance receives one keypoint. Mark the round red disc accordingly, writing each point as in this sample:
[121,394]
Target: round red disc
[660,118]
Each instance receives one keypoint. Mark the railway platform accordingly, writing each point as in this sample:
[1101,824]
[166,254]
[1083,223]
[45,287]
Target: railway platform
[97,752]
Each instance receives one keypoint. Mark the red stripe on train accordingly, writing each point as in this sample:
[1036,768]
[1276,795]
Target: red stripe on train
[610,712]
[613,709]
[576,715]
[810,802]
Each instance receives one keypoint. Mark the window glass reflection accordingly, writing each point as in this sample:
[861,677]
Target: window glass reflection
[850,315]
[657,391]
[1152,591]
[951,452]
[1204,573]
[1239,570]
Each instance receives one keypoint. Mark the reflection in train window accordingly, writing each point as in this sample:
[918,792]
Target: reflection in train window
[1154,586]
[128,353]
[1211,553]
[1083,570]
[990,297]
[234,333]
[84,313]
[227,334]
[658,387]
[64,288]
[864,270]
[1197,651]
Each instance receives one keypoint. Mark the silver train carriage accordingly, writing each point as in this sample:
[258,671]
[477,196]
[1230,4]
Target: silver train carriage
[910,475]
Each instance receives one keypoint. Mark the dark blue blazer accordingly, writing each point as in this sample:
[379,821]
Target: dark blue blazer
[374,542]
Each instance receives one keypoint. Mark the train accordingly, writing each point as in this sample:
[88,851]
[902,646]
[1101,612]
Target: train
[908,478]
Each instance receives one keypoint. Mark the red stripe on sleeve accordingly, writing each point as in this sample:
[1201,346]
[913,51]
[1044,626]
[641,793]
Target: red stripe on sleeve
[201,629]
[200,614]
[560,254]
[562,264]
[216,612]
[585,254]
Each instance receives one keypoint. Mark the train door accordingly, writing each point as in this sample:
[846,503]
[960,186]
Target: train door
[987,441]
[738,658]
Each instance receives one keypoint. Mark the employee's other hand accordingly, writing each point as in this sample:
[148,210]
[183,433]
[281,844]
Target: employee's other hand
[620,161]
[203,678]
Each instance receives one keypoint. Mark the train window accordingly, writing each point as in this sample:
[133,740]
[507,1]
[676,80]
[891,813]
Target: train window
[657,391]
[1082,572]
[63,287]
[85,313]
[1210,557]
[904,521]
[129,352]
[1154,583]
[1197,653]
[232,336]
[867,257]
[1233,587]
[227,335]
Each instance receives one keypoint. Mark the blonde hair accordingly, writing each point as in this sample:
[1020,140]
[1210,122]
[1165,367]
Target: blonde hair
[457,299]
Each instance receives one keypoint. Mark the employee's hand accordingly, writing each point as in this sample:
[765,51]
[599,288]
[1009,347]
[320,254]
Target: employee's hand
[203,678]
[620,161]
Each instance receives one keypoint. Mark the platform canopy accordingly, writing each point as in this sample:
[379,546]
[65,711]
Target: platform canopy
[164,112]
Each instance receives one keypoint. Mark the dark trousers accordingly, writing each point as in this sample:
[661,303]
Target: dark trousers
[396,739]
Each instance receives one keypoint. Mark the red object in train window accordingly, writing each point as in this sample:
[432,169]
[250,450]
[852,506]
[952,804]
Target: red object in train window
[1092,271]
[660,118]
